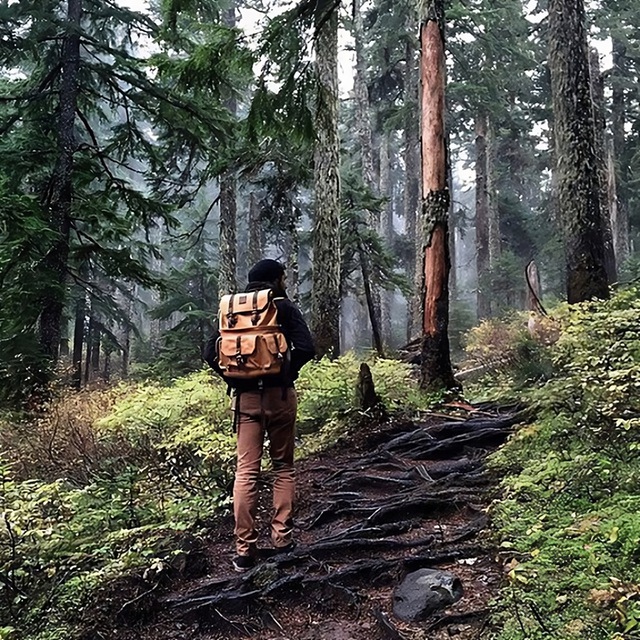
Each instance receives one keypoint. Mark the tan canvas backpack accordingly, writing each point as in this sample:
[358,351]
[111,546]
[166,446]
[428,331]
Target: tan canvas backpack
[251,343]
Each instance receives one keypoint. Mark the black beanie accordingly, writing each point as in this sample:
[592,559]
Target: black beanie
[266,271]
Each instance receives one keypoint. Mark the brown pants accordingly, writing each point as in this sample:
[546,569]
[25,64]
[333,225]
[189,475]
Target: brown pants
[261,412]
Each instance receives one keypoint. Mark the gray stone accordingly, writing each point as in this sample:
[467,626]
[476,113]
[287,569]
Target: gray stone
[424,591]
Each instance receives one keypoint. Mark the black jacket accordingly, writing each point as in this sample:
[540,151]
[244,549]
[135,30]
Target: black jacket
[298,337]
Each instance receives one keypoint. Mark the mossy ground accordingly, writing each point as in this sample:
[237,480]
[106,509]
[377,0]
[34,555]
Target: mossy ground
[568,524]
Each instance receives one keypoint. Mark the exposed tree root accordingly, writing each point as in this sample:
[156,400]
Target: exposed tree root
[416,501]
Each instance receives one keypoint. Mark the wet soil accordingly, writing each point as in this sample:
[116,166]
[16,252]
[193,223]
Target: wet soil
[398,497]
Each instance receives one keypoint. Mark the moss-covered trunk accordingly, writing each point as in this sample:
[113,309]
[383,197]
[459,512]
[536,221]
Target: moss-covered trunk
[578,188]
[325,295]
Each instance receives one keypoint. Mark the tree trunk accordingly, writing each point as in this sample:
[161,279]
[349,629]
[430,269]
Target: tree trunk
[453,272]
[620,178]
[256,235]
[436,371]
[227,272]
[126,352]
[325,295]
[578,189]
[78,338]
[534,295]
[361,95]
[483,263]
[363,134]
[292,251]
[126,337]
[59,194]
[494,214]
[106,372]
[382,297]
[95,351]
[600,124]
[89,354]
[619,222]
[412,180]
[366,280]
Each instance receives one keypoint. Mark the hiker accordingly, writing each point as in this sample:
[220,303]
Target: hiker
[263,403]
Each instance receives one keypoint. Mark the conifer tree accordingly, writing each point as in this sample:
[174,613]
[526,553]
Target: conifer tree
[325,306]
[578,188]
[129,146]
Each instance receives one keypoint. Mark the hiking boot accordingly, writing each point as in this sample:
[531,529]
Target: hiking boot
[276,551]
[286,549]
[243,563]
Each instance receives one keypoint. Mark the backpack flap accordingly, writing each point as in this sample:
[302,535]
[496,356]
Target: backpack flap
[244,310]
[251,355]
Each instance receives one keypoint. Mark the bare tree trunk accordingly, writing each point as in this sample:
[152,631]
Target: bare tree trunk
[227,271]
[600,124]
[534,296]
[325,293]
[483,263]
[436,371]
[292,252]
[78,338]
[412,180]
[126,337]
[106,371]
[256,235]
[89,354]
[363,127]
[620,178]
[453,272]
[366,280]
[58,198]
[361,95]
[95,351]
[495,248]
[126,352]
[578,189]
[385,230]
[619,223]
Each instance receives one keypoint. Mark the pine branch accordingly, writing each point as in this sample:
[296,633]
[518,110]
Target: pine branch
[199,228]
[36,92]
[96,145]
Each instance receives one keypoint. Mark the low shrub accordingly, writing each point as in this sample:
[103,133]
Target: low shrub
[103,482]
[568,522]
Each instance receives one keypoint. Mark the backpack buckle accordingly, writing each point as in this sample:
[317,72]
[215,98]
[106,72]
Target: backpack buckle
[239,356]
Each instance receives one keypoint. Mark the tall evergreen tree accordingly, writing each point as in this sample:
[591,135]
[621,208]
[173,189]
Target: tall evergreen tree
[325,305]
[578,188]
[130,146]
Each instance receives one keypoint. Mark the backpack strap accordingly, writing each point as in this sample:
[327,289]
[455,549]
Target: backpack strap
[231,318]
[256,314]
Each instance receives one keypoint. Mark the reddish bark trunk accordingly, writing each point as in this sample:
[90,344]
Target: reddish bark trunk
[436,360]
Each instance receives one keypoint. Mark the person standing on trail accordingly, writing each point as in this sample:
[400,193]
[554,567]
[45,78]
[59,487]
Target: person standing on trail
[260,346]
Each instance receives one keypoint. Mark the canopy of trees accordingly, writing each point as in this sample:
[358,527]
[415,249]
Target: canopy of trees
[149,155]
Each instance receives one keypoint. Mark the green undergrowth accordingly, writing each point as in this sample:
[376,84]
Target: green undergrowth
[109,483]
[568,522]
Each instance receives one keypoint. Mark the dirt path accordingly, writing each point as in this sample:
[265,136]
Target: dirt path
[404,497]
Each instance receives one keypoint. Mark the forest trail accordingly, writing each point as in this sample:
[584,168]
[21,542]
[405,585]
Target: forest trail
[402,496]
